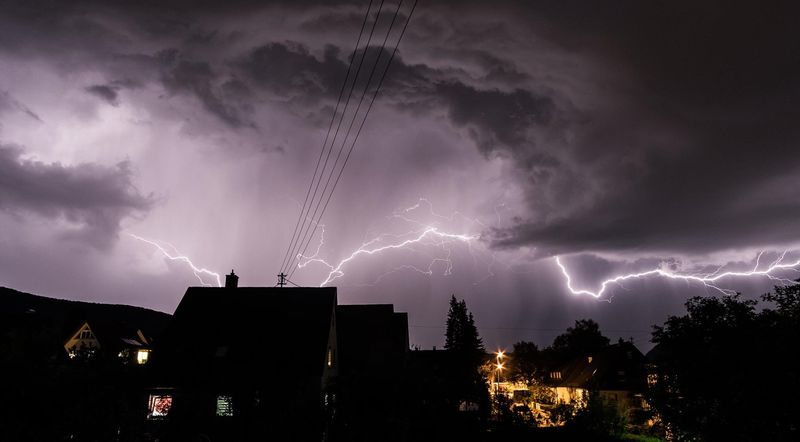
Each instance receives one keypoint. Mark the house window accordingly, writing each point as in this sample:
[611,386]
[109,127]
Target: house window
[555,375]
[331,360]
[86,334]
[521,395]
[141,356]
[159,406]
[224,406]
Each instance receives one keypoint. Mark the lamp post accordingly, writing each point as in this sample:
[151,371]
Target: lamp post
[499,359]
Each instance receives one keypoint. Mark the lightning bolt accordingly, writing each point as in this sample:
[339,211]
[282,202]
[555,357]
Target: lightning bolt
[708,280]
[432,234]
[198,271]
[429,234]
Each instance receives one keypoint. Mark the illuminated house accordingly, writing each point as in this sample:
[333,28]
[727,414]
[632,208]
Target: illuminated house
[242,362]
[110,339]
[616,373]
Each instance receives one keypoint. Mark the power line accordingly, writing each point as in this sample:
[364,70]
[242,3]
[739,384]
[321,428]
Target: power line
[306,227]
[327,135]
[366,114]
[347,134]
[303,226]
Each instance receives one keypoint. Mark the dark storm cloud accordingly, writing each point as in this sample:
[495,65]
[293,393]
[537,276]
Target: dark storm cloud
[494,116]
[289,67]
[694,128]
[715,86]
[497,117]
[105,92]
[198,78]
[95,198]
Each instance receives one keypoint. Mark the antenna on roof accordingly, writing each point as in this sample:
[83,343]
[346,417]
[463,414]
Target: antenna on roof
[281,279]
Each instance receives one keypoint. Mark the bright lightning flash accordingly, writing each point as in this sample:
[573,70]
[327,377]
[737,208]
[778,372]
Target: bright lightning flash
[428,234]
[708,280]
[433,234]
[198,271]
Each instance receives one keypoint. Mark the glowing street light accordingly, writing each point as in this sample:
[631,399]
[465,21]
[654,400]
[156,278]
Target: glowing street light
[500,354]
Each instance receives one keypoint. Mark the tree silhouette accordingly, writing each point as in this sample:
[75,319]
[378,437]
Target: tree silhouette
[461,334]
[525,363]
[466,381]
[582,339]
[726,371]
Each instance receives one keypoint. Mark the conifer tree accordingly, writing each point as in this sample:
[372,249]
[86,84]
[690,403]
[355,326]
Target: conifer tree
[461,334]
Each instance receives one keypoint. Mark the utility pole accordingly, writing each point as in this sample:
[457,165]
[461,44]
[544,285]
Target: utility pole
[281,279]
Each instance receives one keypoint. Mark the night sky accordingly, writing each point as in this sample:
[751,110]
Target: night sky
[621,136]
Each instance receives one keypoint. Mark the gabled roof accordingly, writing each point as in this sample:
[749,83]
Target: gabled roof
[252,331]
[112,336]
[616,367]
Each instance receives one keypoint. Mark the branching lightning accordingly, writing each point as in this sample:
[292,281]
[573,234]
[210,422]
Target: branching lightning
[708,280]
[176,256]
[427,235]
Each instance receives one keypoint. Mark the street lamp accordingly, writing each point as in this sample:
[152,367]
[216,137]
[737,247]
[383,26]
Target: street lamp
[500,354]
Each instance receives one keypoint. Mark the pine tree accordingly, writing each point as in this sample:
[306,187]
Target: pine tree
[461,334]
[466,382]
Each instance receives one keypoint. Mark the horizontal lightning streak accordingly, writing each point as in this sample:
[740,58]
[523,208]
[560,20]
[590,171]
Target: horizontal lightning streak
[178,257]
[368,248]
[708,280]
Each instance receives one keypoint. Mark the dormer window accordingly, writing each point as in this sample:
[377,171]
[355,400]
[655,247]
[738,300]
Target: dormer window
[85,334]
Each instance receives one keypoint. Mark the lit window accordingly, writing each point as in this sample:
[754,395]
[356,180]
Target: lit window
[224,406]
[159,405]
[331,357]
[555,375]
[141,356]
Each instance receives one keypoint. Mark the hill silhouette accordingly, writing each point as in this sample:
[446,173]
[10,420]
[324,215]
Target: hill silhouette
[52,320]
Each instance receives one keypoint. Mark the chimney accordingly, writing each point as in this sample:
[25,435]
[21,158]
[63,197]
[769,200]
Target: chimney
[231,281]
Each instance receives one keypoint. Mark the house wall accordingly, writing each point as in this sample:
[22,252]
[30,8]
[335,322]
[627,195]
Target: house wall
[568,395]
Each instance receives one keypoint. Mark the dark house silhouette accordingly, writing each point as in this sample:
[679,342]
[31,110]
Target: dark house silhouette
[242,363]
[372,339]
[370,387]
[238,363]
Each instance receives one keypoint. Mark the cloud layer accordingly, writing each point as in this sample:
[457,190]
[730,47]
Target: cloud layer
[93,198]
[616,132]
